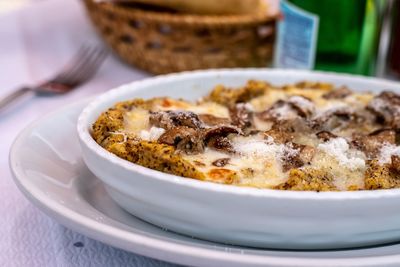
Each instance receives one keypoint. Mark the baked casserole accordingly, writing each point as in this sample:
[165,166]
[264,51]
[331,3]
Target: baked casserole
[305,136]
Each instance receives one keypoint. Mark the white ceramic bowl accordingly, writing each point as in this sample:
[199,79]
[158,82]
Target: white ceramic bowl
[237,215]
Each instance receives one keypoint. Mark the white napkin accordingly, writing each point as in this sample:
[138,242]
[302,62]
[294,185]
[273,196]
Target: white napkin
[36,41]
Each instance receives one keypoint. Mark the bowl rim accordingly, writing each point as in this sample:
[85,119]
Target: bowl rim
[86,139]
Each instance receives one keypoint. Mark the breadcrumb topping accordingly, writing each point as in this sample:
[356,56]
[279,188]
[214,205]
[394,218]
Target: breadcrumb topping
[340,150]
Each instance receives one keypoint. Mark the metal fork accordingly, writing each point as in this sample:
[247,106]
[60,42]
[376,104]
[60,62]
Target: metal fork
[79,70]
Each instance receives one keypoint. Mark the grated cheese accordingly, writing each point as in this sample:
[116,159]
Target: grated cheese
[264,148]
[386,153]
[284,112]
[340,150]
[302,102]
[136,120]
[152,135]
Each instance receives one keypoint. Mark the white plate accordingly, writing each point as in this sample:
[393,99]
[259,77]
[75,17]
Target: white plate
[46,162]
[240,215]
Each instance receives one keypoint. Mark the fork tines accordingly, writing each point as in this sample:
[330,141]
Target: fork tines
[82,67]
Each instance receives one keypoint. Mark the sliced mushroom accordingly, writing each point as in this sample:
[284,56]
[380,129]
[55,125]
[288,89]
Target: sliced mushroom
[221,143]
[221,130]
[241,116]
[384,136]
[172,118]
[335,118]
[212,120]
[326,135]
[217,137]
[302,105]
[184,139]
[279,111]
[285,131]
[221,162]
[253,132]
[294,107]
[279,134]
[291,162]
[395,164]
[386,107]
[338,93]
[371,143]
[161,119]
[303,156]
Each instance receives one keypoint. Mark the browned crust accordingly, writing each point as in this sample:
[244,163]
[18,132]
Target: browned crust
[380,177]
[310,180]
[229,96]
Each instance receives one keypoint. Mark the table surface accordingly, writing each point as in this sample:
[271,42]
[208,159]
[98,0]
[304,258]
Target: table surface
[36,40]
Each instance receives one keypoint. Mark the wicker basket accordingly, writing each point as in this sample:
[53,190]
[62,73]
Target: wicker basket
[162,42]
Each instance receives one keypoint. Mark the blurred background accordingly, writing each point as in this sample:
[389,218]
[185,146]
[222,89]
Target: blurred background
[162,36]
[357,36]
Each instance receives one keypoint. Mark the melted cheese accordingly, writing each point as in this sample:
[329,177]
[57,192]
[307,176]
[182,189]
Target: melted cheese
[339,149]
[200,108]
[257,164]
[151,135]
[136,120]
[250,170]
[347,166]
[268,99]
[262,125]
[343,177]
[210,108]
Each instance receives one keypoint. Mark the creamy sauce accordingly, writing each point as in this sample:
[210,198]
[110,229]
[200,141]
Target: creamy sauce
[151,135]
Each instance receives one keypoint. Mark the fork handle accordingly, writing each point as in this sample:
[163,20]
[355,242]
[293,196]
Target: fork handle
[12,96]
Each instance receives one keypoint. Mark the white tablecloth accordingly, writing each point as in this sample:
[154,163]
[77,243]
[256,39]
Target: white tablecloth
[34,42]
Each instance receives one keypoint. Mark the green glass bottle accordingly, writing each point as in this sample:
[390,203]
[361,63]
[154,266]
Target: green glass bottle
[344,34]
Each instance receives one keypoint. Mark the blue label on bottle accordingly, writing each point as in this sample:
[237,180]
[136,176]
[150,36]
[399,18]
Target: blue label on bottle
[297,38]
